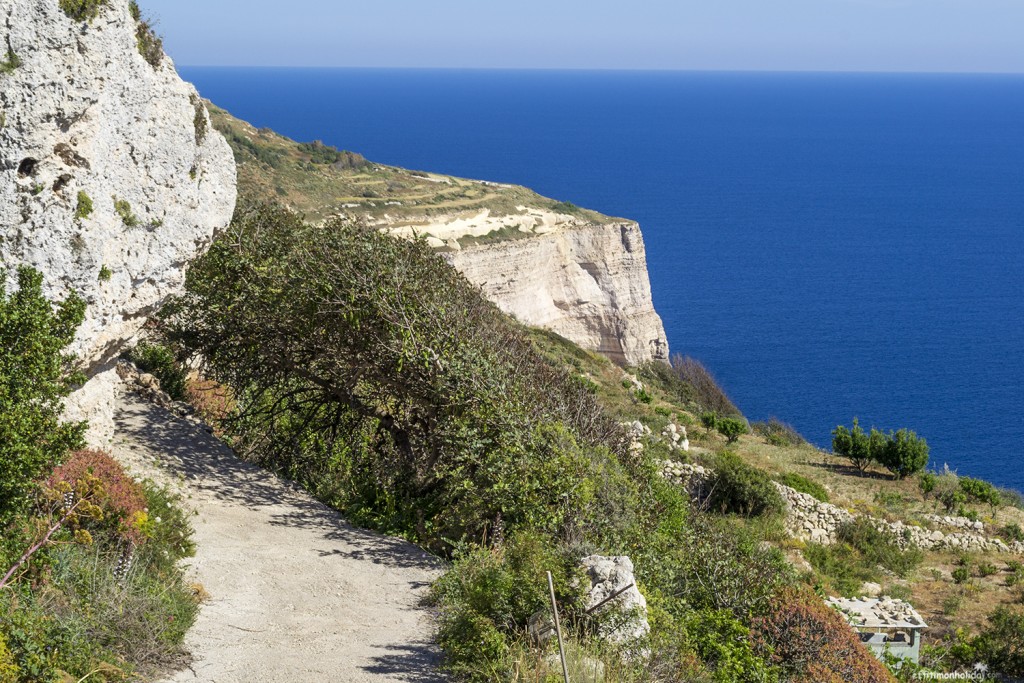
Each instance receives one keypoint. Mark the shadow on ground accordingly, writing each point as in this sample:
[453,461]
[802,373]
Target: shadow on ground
[211,467]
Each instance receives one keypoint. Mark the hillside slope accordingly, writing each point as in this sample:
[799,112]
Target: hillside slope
[547,263]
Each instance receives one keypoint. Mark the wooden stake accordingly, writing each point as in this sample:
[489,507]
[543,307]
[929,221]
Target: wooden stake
[558,628]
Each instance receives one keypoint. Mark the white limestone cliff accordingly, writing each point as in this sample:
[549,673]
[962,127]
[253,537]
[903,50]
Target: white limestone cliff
[587,282]
[84,115]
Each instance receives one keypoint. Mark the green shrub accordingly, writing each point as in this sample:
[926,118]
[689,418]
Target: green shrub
[704,390]
[714,565]
[35,376]
[731,428]
[490,594]
[10,63]
[927,482]
[199,121]
[778,433]
[980,491]
[1000,644]
[149,44]
[859,554]
[986,569]
[961,575]
[879,547]
[904,453]
[803,485]
[105,274]
[1013,532]
[159,360]
[708,421]
[416,406]
[8,668]
[82,10]
[860,448]
[84,208]
[952,603]
[724,643]
[736,487]
[123,209]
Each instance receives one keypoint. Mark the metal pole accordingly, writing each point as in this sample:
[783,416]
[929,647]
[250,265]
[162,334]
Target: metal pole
[558,628]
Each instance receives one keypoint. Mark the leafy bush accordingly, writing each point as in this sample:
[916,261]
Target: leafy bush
[778,433]
[199,122]
[35,377]
[803,485]
[724,643]
[812,643]
[709,421]
[159,360]
[705,391]
[904,453]
[731,428]
[1013,532]
[371,366]
[149,44]
[120,498]
[986,569]
[82,10]
[736,487]
[718,567]
[10,62]
[105,274]
[84,208]
[927,482]
[860,448]
[961,575]
[1000,644]
[980,491]
[859,554]
[879,547]
[490,593]
[124,209]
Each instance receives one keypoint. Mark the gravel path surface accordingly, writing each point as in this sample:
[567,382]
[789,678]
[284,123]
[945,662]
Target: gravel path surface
[296,594]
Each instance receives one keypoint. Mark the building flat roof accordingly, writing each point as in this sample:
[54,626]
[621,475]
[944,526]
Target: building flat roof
[882,613]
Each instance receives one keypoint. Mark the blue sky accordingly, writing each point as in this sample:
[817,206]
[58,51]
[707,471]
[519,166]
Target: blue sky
[845,35]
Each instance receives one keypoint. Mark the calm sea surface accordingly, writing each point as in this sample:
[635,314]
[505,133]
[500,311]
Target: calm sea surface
[828,245]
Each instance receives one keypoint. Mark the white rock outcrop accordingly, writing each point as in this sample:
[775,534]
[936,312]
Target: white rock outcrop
[613,589]
[84,118]
[587,282]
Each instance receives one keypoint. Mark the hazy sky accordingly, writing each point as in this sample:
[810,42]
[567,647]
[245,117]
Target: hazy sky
[861,35]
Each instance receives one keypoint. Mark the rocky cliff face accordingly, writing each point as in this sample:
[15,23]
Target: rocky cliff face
[111,178]
[587,282]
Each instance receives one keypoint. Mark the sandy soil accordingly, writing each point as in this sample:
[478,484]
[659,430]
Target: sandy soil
[296,594]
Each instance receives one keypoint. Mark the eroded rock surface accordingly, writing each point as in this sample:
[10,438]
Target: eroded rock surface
[111,178]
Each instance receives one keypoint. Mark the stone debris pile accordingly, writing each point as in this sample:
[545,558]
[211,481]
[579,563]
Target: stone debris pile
[676,436]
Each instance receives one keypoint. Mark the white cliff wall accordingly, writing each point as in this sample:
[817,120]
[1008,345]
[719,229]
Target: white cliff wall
[84,114]
[588,283]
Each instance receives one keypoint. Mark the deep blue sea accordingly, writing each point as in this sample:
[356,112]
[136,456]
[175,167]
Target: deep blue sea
[829,245]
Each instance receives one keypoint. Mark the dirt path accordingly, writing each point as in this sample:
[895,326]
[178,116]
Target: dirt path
[297,594]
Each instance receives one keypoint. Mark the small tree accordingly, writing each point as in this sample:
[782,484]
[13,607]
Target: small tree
[859,447]
[731,428]
[904,453]
[35,376]
[708,421]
